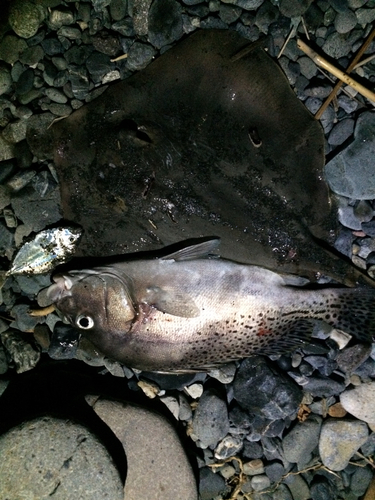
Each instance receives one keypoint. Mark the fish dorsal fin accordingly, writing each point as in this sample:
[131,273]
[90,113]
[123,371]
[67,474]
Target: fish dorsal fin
[171,301]
[198,251]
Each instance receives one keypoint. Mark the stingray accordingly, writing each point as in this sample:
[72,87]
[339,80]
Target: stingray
[209,139]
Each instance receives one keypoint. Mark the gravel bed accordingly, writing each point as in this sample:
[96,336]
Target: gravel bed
[293,427]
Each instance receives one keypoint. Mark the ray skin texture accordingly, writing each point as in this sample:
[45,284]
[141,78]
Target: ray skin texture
[208,140]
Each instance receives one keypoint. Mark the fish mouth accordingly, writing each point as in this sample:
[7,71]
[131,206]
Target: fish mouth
[60,289]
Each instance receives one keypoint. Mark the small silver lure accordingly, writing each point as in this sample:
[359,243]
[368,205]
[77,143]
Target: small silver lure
[44,252]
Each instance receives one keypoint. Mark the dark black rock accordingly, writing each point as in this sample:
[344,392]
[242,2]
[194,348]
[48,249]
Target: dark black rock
[339,5]
[284,362]
[262,390]
[210,484]
[64,342]
[321,489]
[98,65]
[79,81]
[360,480]
[25,82]
[294,8]
[124,27]
[6,240]
[52,46]
[78,55]
[213,23]
[139,56]
[345,240]
[164,22]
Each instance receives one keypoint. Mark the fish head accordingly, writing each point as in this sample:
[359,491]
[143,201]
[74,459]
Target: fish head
[98,303]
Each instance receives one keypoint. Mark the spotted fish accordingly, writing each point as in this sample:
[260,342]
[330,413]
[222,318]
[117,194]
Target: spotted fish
[188,311]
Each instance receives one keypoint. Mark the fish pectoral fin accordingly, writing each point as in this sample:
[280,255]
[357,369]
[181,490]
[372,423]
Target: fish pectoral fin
[198,251]
[172,302]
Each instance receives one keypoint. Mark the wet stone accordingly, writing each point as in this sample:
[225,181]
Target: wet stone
[298,487]
[98,65]
[52,46]
[252,450]
[118,9]
[339,440]
[322,489]
[23,354]
[56,96]
[32,55]
[25,18]
[260,482]
[210,484]
[345,21]
[336,45]
[341,132]
[5,81]
[349,359]
[301,441]
[25,82]
[266,14]
[360,480]
[323,386]
[229,14]
[261,390]
[211,408]
[360,402]
[70,460]
[275,471]
[10,48]
[139,56]
[228,447]
[365,16]
[164,22]
[294,8]
[307,67]
[58,18]
[15,132]
[350,173]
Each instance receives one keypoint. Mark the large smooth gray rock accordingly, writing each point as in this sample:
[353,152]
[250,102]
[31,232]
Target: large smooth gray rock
[48,457]
[351,172]
[360,402]
[158,468]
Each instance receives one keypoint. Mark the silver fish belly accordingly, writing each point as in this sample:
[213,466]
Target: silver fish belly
[184,311]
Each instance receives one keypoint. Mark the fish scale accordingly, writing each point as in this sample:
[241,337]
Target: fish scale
[186,311]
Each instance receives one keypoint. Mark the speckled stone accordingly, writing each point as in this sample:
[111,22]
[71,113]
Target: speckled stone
[58,458]
[360,402]
[339,440]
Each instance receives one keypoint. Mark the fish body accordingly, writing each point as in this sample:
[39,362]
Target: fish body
[185,311]
[45,251]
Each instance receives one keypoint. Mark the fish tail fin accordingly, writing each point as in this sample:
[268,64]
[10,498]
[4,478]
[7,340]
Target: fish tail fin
[352,310]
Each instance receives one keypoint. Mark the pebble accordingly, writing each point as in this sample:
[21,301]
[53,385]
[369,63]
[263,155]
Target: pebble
[164,22]
[336,45]
[56,458]
[23,354]
[228,447]
[339,440]
[211,485]
[253,467]
[360,402]
[360,480]
[264,391]
[350,173]
[139,56]
[298,487]
[341,132]
[25,18]
[260,482]
[299,443]
[211,408]
[5,81]
[345,21]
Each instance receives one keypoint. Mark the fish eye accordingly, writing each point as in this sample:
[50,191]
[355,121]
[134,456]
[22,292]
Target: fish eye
[84,322]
